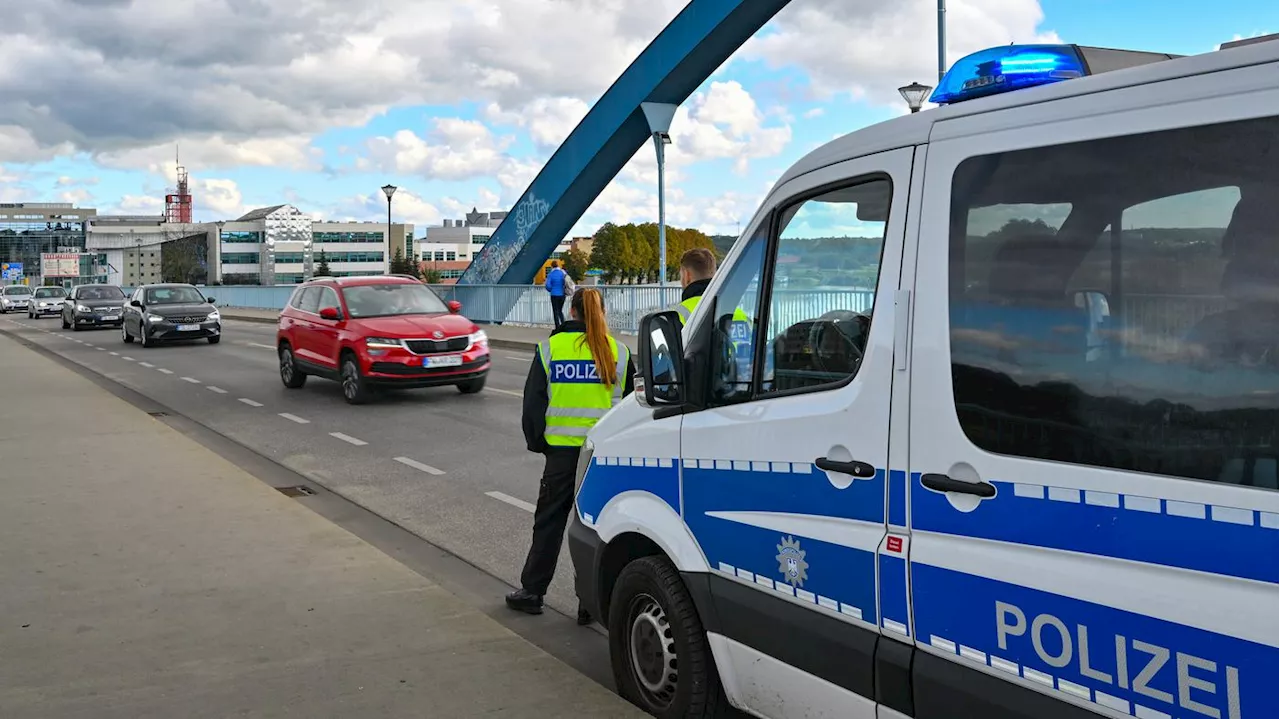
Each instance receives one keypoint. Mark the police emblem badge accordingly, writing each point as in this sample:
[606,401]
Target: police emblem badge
[791,562]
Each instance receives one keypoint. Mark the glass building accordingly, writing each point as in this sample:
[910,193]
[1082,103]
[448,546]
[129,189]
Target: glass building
[29,229]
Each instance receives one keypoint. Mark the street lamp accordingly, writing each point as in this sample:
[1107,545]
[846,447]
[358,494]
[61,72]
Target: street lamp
[659,116]
[914,94]
[389,190]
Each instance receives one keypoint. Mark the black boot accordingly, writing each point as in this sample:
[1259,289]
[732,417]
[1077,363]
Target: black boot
[525,601]
[584,617]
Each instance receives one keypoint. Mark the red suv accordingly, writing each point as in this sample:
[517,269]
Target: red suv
[369,332]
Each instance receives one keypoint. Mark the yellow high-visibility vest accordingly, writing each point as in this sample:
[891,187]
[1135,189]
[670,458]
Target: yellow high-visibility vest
[578,396]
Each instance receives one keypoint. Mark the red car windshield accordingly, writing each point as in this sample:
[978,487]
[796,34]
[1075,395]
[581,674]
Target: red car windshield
[392,299]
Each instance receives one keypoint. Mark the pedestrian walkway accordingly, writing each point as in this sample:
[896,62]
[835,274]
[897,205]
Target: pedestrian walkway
[145,576]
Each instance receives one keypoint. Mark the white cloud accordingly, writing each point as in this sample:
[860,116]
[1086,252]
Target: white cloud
[135,205]
[455,149]
[868,48]
[218,152]
[814,113]
[406,206]
[219,197]
[68,181]
[76,196]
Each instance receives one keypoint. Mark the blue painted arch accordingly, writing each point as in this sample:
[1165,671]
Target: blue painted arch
[685,53]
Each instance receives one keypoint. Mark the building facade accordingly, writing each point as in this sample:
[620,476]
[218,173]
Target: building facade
[30,229]
[459,241]
[142,249]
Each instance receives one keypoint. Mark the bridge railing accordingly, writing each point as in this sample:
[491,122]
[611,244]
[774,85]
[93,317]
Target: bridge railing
[1161,319]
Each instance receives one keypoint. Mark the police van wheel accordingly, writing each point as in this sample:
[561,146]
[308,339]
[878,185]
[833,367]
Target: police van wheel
[661,660]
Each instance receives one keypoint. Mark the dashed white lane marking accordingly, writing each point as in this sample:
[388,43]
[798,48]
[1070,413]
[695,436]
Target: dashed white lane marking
[518,359]
[217,390]
[258,344]
[348,439]
[419,466]
[114,354]
[165,371]
[192,380]
[148,365]
[512,501]
[513,393]
[127,358]
[250,402]
[295,418]
[102,349]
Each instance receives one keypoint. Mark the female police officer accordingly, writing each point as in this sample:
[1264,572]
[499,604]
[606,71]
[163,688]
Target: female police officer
[578,373]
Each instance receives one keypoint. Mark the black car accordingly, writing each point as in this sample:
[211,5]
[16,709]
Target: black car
[93,306]
[167,312]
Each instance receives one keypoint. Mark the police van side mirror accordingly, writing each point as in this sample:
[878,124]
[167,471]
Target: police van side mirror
[661,372]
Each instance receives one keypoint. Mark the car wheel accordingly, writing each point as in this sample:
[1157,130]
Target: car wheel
[354,387]
[290,375]
[75,328]
[661,659]
[471,386]
[215,339]
[147,342]
[124,334]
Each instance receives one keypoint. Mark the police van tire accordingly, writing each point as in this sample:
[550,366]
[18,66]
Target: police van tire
[649,595]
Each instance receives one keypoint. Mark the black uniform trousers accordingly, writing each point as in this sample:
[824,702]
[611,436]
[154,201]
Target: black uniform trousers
[555,501]
[557,309]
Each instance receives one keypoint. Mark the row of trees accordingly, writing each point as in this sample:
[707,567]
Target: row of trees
[629,253]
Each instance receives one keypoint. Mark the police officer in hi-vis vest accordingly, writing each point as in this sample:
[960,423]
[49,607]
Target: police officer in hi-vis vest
[577,375]
[697,266]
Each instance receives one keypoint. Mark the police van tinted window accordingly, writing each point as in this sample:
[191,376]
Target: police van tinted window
[1140,331]
[823,286]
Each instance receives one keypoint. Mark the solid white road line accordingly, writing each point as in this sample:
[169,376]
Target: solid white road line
[348,439]
[165,371]
[518,359]
[250,402]
[512,501]
[513,393]
[148,365]
[419,466]
[192,380]
[257,344]
[217,390]
[295,418]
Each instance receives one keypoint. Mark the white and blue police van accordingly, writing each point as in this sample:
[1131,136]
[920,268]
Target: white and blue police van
[999,439]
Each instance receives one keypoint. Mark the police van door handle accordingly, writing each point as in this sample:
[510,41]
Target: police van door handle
[861,470]
[943,483]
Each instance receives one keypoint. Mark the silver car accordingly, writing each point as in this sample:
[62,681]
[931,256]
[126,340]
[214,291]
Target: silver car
[46,301]
[15,298]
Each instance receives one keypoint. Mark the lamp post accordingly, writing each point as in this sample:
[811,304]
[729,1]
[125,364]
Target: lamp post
[389,190]
[659,116]
[914,94]
[942,39]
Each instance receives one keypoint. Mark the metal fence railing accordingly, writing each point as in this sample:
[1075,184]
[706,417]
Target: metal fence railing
[1159,319]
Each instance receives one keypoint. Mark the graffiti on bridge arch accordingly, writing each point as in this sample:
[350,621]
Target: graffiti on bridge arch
[685,53]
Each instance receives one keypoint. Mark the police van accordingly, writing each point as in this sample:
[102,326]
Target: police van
[997,437]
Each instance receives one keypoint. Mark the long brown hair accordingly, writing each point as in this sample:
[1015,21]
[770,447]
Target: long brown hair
[589,306]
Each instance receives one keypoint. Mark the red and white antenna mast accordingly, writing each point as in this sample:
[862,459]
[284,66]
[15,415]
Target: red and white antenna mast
[177,206]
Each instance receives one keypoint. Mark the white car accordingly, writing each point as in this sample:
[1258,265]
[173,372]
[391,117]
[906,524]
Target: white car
[46,301]
[15,298]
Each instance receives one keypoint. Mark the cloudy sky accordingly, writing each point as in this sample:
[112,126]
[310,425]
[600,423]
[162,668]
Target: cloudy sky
[320,102]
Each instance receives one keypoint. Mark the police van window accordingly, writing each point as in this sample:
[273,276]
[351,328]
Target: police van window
[734,331]
[1138,334]
[824,286]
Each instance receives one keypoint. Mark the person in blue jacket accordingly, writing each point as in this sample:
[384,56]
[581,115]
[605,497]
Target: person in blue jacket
[558,286]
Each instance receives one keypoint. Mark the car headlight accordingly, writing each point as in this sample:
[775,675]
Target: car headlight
[213,316]
[156,318]
[382,342]
[584,462]
[83,308]
[478,340]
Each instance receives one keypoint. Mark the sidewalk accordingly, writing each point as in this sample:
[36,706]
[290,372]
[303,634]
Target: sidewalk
[508,336]
[145,576]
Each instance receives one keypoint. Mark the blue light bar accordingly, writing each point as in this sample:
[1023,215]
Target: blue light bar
[1003,69]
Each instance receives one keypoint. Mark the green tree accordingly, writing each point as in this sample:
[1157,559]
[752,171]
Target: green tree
[576,263]
[431,275]
[322,268]
[607,251]
[398,263]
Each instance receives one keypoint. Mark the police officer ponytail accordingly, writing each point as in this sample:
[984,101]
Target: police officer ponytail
[588,305]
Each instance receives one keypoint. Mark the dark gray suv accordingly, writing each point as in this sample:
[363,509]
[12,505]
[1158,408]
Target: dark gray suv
[168,312]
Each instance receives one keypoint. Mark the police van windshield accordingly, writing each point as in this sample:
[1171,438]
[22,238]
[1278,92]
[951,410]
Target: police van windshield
[1114,302]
